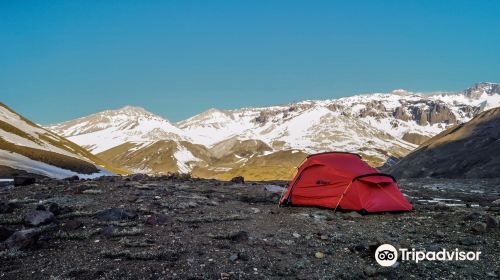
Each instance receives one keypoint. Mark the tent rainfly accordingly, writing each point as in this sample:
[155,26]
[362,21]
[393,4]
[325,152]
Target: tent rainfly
[344,181]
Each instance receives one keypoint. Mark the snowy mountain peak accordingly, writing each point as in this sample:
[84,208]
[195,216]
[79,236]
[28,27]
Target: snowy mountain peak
[210,116]
[484,88]
[107,129]
[134,109]
[401,92]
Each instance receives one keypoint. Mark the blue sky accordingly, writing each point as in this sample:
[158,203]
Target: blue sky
[65,59]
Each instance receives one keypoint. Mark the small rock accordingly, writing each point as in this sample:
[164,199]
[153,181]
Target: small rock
[114,214]
[468,241]
[5,208]
[255,210]
[22,239]
[37,217]
[242,256]
[92,191]
[212,203]
[158,219]
[370,271]
[274,189]
[5,233]
[233,257]
[190,204]
[24,181]
[319,255]
[40,207]
[491,222]
[377,241]
[441,206]
[238,180]
[55,209]
[132,199]
[72,225]
[296,235]
[440,234]
[323,237]
[479,227]
[72,178]
[239,236]
[496,202]
[362,247]
[473,216]
[108,231]
[353,214]
[492,274]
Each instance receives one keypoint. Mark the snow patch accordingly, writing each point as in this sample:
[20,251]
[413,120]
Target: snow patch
[184,157]
[21,162]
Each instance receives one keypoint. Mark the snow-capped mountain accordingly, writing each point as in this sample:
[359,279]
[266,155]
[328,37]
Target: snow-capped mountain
[105,130]
[398,113]
[133,138]
[378,126]
[307,126]
[28,148]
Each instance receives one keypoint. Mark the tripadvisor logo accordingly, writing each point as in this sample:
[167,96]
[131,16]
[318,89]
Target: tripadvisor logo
[387,255]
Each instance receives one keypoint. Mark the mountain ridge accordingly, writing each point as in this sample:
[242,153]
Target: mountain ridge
[379,126]
[28,148]
[467,150]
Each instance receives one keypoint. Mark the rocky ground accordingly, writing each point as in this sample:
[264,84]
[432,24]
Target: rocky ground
[139,227]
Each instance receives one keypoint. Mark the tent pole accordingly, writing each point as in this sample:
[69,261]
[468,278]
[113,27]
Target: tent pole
[342,196]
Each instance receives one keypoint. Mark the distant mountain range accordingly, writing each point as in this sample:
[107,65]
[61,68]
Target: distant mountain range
[268,142]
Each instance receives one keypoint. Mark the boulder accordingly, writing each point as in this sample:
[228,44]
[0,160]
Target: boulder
[115,214]
[479,227]
[491,222]
[5,233]
[238,180]
[23,239]
[39,217]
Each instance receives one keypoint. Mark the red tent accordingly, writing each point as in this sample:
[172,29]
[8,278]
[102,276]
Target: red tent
[343,180]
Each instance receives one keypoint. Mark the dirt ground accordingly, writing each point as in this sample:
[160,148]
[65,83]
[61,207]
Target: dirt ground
[141,227]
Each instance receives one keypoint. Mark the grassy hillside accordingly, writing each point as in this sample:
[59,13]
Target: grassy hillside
[280,165]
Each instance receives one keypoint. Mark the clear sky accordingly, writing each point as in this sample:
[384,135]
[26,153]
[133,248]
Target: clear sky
[65,59]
